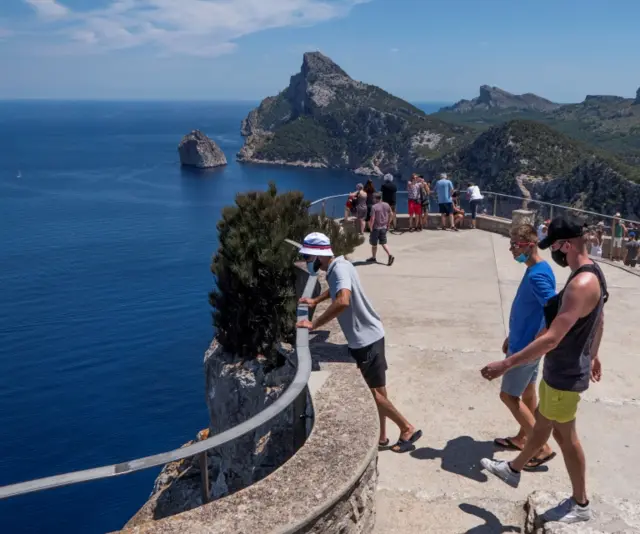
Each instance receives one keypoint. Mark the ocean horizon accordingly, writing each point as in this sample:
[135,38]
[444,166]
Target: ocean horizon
[106,251]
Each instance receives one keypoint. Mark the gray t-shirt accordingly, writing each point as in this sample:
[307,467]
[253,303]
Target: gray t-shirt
[359,322]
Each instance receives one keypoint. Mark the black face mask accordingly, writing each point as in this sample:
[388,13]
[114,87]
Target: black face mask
[559,257]
[314,267]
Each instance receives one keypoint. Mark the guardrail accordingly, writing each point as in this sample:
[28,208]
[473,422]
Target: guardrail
[201,448]
[495,204]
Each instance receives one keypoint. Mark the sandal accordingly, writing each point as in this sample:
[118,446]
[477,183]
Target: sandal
[535,463]
[506,443]
[383,445]
[405,445]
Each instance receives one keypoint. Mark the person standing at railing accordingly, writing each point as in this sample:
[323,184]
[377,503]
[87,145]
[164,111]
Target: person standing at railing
[444,190]
[570,344]
[370,190]
[631,256]
[361,208]
[415,207]
[475,199]
[619,231]
[389,195]
[363,329]
[425,191]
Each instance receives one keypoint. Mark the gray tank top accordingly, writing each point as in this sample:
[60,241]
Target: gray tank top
[568,366]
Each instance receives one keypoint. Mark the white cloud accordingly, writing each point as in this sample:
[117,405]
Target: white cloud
[48,8]
[192,27]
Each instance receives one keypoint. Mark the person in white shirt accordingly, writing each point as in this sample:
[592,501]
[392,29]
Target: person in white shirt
[542,229]
[475,198]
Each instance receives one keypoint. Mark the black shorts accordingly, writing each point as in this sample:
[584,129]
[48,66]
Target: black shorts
[446,209]
[378,235]
[392,205]
[372,364]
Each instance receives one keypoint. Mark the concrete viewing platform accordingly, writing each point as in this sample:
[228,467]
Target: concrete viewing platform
[445,307]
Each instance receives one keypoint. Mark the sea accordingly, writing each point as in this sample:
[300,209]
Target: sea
[105,253]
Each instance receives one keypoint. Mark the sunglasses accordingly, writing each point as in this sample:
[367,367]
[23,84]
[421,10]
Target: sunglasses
[519,244]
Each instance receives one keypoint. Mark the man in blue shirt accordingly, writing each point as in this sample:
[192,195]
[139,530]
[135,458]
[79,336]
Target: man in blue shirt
[444,189]
[518,390]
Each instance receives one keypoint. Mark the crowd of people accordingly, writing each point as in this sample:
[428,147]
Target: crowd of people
[566,328]
[420,193]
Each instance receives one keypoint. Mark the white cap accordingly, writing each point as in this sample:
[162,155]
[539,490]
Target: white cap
[388,177]
[316,244]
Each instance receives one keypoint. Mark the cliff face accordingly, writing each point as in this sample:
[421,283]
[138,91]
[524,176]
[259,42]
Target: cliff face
[236,390]
[197,150]
[494,98]
[324,118]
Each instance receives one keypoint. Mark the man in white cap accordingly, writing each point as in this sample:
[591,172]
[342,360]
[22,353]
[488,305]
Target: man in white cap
[389,192]
[362,328]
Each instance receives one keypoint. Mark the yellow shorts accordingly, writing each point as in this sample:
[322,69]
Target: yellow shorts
[557,405]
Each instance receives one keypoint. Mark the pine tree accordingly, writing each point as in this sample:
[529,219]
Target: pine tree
[255,301]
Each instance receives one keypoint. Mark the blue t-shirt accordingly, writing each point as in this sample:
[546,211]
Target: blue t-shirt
[527,311]
[444,188]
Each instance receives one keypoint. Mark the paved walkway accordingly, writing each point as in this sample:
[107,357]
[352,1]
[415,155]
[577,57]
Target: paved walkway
[445,306]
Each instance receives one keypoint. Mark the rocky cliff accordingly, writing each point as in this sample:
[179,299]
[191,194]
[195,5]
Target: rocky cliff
[494,98]
[324,118]
[236,390]
[197,150]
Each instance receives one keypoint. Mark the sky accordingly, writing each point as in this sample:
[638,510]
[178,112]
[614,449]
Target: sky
[420,50]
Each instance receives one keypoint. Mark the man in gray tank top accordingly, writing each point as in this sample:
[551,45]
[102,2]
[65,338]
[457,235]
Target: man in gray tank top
[574,320]
[361,326]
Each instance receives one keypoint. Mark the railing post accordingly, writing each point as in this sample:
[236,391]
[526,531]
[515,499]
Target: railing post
[495,205]
[550,212]
[204,477]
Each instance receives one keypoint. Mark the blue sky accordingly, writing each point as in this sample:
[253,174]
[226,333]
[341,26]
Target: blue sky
[421,50]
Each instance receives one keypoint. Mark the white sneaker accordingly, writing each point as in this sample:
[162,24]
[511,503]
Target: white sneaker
[568,511]
[502,470]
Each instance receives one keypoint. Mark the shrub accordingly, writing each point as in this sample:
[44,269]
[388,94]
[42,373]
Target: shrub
[255,300]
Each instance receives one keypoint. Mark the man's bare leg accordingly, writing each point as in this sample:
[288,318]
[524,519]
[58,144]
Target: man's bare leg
[574,458]
[386,249]
[442,221]
[540,435]
[451,221]
[387,409]
[522,411]
[374,251]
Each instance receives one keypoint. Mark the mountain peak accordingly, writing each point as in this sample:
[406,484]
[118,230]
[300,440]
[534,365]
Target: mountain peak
[316,64]
[491,97]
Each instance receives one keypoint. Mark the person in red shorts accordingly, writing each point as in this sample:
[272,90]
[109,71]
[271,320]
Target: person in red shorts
[415,207]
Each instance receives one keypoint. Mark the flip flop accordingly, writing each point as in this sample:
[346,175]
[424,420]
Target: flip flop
[405,445]
[506,443]
[534,463]
[383,445]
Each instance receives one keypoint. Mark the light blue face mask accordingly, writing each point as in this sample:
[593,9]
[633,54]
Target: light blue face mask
[313,267]
[522,258]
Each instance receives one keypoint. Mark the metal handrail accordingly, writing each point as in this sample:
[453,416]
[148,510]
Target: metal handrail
[300,380]
[491,193]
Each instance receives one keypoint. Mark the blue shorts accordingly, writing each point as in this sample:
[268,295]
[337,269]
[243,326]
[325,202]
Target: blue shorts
[516,379]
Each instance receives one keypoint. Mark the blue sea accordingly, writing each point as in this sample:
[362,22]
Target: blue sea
[105,249]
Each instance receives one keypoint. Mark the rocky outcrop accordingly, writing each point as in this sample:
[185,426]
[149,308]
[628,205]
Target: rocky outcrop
[236,391]
[636,102]
[324,118]
[197,150]
[494,98]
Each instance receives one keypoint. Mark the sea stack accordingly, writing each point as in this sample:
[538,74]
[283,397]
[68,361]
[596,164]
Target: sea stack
[197,150]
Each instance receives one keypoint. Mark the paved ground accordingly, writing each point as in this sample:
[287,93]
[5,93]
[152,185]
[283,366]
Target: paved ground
[445,306]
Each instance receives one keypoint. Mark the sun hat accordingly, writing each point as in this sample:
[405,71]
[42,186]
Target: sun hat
[316,244]
[388,177]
